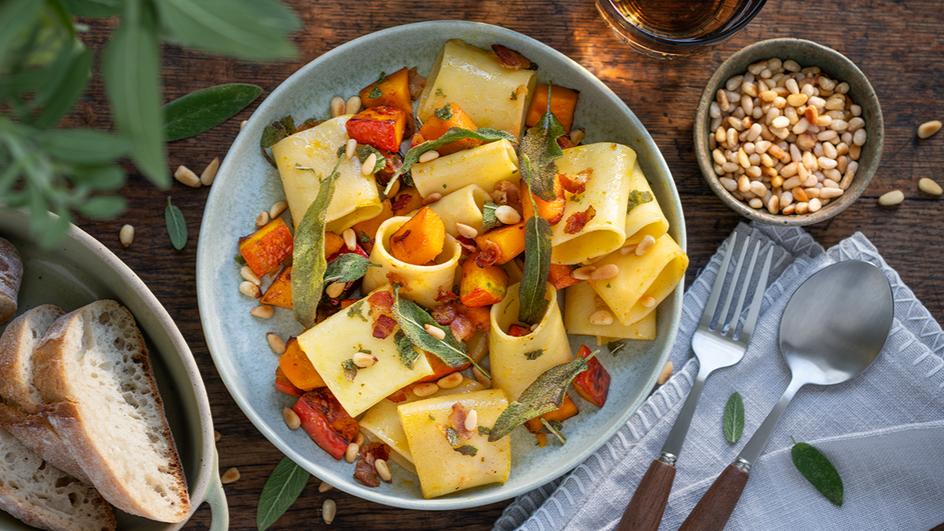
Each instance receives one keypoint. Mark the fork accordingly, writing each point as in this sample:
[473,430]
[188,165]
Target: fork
[718,342]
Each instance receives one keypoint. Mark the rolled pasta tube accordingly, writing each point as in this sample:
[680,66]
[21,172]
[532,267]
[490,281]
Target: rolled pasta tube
[483,165]
[654,274]
[421,284]
[605,166]
[580,301]
[644,219]
[474,79]
[303,159]
[462,206]
[517,361]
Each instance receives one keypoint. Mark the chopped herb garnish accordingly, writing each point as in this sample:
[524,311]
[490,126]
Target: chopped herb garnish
[408,354]
[374,93]
[347,268]
[350,370]
[484,430]
[443,113]
[636,198]
[355,311]
[452,436]
[554,427]
[514,95]
[467,449]
[534,354]
[439,92]
[489,219]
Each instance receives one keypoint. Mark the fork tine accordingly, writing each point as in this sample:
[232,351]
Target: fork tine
[754,312]
[709,312]
[734,282]
[732,323]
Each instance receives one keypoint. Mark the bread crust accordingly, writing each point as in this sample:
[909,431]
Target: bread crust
[11,274]
[35,432]
[15,347]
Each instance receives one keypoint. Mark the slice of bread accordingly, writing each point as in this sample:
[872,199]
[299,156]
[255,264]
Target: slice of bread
[11,274]
[45,497]
[23,417]
[93,372]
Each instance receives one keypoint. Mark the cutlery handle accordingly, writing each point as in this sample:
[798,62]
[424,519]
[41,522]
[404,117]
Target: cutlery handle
[716,506]
[644,512]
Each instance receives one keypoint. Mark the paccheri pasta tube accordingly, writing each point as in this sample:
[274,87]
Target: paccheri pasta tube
[644,216]
[483,165]
[580,302]
[462,206]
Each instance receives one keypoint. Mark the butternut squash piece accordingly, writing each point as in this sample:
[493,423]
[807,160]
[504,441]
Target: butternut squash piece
[445,118]
[561,276]
[507,242]
[419,240]
[266,249]
[406,201]
[563,104]
[392,90]
[481,286]
[333,244]
[382,127]
[279,292]
[552,210]
[297,368]
[568,409]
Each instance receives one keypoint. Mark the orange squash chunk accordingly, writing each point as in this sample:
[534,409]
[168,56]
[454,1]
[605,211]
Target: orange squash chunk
[593,384]
[481,286]
[407,200]
[298,369]
[445,118]
[266,249]
[563,104]
[392,90]
[333,244]
[507,242]
[561,276]
[552,210]
[419,240]
[568,409]
[279,292]
[382,127]
[440,369]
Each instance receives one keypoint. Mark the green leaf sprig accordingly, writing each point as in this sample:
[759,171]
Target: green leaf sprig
[819,471]
[733,420]
[489,219]
[408,353]
[539,150]
[532,291]
[284,486]
[176,225]
[455,133]
[545,394]
[204,109]
[347,267]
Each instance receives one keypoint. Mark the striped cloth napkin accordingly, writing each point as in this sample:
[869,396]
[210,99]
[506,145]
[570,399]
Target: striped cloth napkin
[884,430]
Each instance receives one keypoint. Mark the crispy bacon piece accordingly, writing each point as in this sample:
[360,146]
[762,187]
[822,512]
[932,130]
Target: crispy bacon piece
[462,327]
[517,330]
[575,184]
[325,421]
[444,313]
[507,193]
[457,420]
[364,470]
[383,326]
[578,220]
[593,384]
[381,300]
[446,296]
[512,59]
[488,254]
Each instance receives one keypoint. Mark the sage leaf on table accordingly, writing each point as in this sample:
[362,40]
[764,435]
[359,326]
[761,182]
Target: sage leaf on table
[308,257]
[204,109]
[733,420]
[283,487]
[176,225]
[538,152]
[412,319]
[454,133]
[532,291]
[545,394]
[347,267]
[817,469]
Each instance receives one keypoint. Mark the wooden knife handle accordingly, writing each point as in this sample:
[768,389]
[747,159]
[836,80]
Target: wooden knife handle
[644,512]
[716,506]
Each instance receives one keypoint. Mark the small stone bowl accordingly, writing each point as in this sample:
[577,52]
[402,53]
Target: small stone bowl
[835,65]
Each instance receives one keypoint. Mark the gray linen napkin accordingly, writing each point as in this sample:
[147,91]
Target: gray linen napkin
[884,431]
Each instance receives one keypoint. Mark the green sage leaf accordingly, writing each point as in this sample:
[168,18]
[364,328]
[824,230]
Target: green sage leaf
[364,150]
[733,421]
[408,353]
[83,146]
[532,292]
[204,109]
[308,258]
[467,449]
[455,133]
[176,225]
[554,428]
[100,177]
[284,486]
[489,219]
[16,18]
[538,152]
[102,206]
[276,131]
[69,88]
[818,470]
[347,267]
[93,8]
[545,394]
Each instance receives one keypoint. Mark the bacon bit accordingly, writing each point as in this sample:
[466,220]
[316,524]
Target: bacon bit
[517,330]
[383,326]
[462,327]
[364,470]
[446,296]
[444,313]
[575,184]
[393,163]
[347,302]
[457,420]
[478,316]
[416,82]
[488,255]
[512,59]
[565,142]
[382,300]
[400,201]
[578,220]
[507,193]
[467,245]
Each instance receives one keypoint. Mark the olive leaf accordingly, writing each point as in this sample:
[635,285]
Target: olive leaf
[539,150]
[204,109]
[733,420]
[532,291]
[818,470]
[489,219]
[545,394]
[176,225]
[308,258]
[454,133]
[284,486]
[347,267]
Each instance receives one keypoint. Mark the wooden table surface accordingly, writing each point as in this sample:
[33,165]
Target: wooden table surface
[899,45]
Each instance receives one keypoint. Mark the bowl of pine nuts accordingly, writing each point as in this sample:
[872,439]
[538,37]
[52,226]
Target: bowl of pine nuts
[788,132]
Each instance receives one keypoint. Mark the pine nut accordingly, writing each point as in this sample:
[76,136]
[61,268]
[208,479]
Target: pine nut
[628,248]
[242,124]
[895,197]
[601,318]
[507,215]
[126,235]
[929,186]
[335,289]
[329,509]
[247,274]
[605,272]
[352,105]
[262,218]
[350,239]
[185,176]
[576,136]
[471,420]
[466,231]
[450,381]
[367,168]
[263,311]
[230,476]
[350,148]
[928,129]
[665,374]
[276,343]
[432,198]
[815,204]
[425,389]
[583,273]
[648,301]
[324,486]
[830,192]
[249,289]
[350,454]
[208,175]
[383,470]
[644,245]
[435,331]
[359,439]
[363,360]
[337,106]
[277,209]
[291,418]
[430,155]
[217,436]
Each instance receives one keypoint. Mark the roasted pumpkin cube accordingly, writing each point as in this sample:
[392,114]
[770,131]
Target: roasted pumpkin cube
[266,249]
[420,240]
[563,104]
[561,276]
[567,409]
[440,368]
[445,118]
[593,384]
[551,210]
[381,127]
[297,368]
[325,421]
[481,286]
[504,242]
[284,386]
[392,90]
[333,243]
[405,201]
[279,292]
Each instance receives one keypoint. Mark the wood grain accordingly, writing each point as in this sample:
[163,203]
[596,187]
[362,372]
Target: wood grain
[714,508]
[898,45]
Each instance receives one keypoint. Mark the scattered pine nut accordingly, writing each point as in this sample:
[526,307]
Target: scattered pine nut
[450,381]
[367,167]
[126,235]
[507,215]
[888,199]
[338,106]
[466,231]
[929,186]
[230,476]
[628,248]
[352,105]
[335,289]
[648,301]
[185,176]
[471,420]
[665,374]
[350,148]
[429,156]
[576,136]
[363,359]
[243,123]
[249,289]
[383,470]
[435,331]
[263,311]
[329,509]
[350,239]
[583,273]
[217,436]
[605,272]
[928,129]
[291,418]
[276,343]
[425,389]
[277,209]
[262,218]
[431,198]
[324,487]
[247,274]
[644,246]
[208,175]
[601,318]
[359,439]
[350,454]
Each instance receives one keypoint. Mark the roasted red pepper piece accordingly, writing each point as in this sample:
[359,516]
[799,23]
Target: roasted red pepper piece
[325,421]
[593,384]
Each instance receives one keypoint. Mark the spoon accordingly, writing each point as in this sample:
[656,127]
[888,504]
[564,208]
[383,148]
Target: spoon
[834,326]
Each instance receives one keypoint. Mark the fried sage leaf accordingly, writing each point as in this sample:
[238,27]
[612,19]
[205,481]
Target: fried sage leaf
[408,353]
[283,487]
[277,130]
[817,469]
[455,133]
[545,394]
[204,109]
[532,292]
[347,267]
[308,258]
[489,219]
[733,421]
[538,152]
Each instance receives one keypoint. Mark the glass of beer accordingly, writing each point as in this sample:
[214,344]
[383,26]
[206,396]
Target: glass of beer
[667,28]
